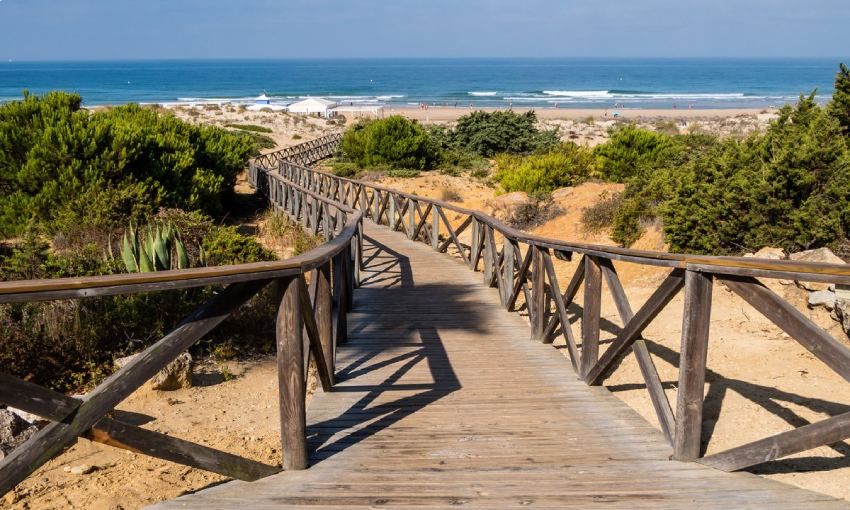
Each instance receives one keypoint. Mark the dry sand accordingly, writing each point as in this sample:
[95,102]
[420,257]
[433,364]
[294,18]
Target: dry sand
[448,114]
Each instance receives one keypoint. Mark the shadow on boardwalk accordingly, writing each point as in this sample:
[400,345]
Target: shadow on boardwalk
[389,288]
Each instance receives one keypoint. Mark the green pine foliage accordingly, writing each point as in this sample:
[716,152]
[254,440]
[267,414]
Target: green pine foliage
[398,143]
[394,142]
[76,172]
[631,149]
[840,106]
[788,187]
[71,180]
[566,165]
[490,133]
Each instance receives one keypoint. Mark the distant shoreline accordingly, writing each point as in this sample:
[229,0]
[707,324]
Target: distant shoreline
[448,114]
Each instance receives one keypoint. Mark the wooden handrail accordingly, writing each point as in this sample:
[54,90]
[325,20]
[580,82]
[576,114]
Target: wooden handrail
[815,269]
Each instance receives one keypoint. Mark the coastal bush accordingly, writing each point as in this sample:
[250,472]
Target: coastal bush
[345,169]
[630,148]
[840,105]
[566,165]
[404,174]
[491,133]
[77,172]
[394,142]
[250,127]
[226,246]
[652,183]
[789,188]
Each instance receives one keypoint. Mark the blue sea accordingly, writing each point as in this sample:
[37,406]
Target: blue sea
[539,83]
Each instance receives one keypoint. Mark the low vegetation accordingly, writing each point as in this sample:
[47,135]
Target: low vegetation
[788,187]
[565,165]
[396,143]
[111,191]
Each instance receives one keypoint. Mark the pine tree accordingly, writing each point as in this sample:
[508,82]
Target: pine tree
[840,106]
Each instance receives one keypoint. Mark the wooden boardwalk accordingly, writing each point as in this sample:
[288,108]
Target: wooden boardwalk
[443,401]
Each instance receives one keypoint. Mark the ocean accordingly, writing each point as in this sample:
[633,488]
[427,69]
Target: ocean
[539,83]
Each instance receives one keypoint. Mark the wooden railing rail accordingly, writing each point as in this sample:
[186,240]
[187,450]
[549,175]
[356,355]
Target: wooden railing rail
[315,292]
[304,154]
[497,250]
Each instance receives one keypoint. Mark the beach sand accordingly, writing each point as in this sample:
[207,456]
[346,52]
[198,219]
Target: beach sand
[449,114]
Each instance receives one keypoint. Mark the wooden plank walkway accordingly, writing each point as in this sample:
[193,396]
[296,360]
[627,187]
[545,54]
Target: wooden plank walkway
[443,401]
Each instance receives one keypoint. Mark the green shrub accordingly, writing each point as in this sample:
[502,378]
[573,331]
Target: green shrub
[567,165]
[260,141]
[840,105]
[491,133]
[82,173]
[250,127]
[394,142]
[630,149]
[789,188]
[404,174]
[345,169]
[226,246]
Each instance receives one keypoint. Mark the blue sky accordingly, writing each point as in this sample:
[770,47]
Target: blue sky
[151,29]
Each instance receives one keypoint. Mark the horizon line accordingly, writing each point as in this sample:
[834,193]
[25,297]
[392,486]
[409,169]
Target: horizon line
[229,59]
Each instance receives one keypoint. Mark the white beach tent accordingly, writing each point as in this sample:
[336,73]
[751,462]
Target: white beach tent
[313,105]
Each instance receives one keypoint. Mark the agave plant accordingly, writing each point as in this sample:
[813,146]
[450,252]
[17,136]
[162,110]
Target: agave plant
[159,248]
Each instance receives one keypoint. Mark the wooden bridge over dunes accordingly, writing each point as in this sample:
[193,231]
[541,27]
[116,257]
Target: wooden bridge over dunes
[433,393]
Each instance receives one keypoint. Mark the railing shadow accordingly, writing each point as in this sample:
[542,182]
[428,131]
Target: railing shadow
[386,357]
[769,398]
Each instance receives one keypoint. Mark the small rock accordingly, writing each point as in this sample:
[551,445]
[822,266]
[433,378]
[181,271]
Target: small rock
[27,417]
[767,253]
[562,193]
[823,298]
[14,431]
[82,469]
[821,255]
[505,207]
[176,375]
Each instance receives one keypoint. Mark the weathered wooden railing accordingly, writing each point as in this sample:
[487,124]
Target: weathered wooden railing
[317,309]
[530,273]
[304,154]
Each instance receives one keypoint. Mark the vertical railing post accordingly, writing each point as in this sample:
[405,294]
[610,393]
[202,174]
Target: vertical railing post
[489,255]
[411,215]
[591,314]
[392,207]
[692,363]
[475,244]
[507,271]
[291,381]
[363,199]
[324,316]
[537,307]
[435,227]
[340,288]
